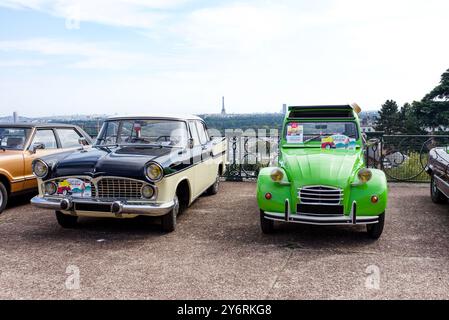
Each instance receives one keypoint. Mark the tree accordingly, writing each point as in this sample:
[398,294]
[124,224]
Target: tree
[389,118]
[433,110]
[408,120]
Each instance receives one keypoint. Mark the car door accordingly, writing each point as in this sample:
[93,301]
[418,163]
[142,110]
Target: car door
[208,168]
[45,136]
[195,154]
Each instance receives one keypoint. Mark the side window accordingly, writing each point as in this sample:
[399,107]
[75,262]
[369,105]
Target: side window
[194,132]
[201,132]
[69,138]
[47,138]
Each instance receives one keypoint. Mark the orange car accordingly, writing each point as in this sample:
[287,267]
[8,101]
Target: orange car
[20,144]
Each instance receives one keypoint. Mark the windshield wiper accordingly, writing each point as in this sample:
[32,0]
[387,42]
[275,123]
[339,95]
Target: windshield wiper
[316,137]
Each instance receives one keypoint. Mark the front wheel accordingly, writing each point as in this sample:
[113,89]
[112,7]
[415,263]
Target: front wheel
[266,225]
[375,230]
[169,220]
[3,197]
[66,221]
[436,195]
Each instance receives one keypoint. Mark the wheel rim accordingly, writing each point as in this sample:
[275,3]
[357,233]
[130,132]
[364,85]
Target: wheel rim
[1,198]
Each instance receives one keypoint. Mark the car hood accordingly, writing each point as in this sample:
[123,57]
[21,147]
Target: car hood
[313,167]
[121,162]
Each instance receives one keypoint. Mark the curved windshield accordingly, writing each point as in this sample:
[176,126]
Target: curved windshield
[13,138]
[168,133]
[305,132]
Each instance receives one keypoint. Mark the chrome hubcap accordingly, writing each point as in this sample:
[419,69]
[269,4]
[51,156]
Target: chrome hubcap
[434,186]
[176,206]
[1,199]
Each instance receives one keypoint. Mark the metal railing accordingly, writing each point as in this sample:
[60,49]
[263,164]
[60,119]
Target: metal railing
[402,157]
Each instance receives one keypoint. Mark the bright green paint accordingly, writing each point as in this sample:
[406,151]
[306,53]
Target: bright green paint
[309,165]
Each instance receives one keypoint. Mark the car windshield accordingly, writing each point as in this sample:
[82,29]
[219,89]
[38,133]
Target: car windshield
[13,138]
[163,133]
[305,132]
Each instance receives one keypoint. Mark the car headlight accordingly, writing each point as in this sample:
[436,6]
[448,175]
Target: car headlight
[147,191]
[154,172]
[365,175]
[50,188]
[40,168]
[277,175]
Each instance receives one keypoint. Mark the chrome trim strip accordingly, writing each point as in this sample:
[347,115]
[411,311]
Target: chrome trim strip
[330,221]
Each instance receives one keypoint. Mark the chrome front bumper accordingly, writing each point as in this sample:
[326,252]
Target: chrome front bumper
[323,220]
[117,208]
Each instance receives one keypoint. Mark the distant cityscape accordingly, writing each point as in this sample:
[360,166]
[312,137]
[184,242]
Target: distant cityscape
[220,121]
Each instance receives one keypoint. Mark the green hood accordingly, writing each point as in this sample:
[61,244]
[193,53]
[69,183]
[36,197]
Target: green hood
[315,166]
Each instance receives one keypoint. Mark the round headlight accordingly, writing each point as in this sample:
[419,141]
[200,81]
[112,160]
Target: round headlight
[154,172]
[365,175]
[277,175]
[40,168]
[147,191]
[50,188]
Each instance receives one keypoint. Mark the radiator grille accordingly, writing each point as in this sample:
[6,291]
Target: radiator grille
[119,188]
[320,195]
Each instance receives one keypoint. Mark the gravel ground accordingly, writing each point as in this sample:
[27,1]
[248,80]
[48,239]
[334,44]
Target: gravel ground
[218,252]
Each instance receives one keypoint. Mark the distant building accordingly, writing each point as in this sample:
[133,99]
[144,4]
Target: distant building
[367,129]
[284,108]
[223,109]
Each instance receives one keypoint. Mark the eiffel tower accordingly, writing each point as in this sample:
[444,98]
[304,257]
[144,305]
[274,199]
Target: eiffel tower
[223,110]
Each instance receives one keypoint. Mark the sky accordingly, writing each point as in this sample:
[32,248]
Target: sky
[61,57]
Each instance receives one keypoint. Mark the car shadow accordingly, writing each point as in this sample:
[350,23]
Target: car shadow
[20,200]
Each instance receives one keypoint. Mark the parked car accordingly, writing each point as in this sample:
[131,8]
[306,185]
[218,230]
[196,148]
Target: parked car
[321,177]
[20,144]
[138,166]
[438,169]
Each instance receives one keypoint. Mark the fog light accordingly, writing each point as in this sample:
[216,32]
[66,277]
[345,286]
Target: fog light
[374,199]
[50,188]
[147,191]
[268,196]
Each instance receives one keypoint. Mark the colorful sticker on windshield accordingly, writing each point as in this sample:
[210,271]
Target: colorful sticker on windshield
[295,133]
[338,141]
[75,188]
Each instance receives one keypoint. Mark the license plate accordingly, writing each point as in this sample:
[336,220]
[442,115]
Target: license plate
[76,188]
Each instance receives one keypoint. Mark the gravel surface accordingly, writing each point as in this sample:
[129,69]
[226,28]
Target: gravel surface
[218,252]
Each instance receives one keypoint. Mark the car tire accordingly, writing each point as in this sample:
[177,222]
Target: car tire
[266,225]
[213,189]
[436,195]
[375,230]
[169,220]
[3,197]
[66,221]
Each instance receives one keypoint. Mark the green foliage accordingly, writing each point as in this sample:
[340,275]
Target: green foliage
[244,121]
[389,117]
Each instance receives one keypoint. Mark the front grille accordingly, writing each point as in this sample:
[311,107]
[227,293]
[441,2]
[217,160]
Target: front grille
[314,209]
[320,195]
[119,188]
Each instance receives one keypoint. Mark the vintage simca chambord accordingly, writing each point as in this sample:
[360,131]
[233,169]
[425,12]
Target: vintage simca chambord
[321,177]
[437,168]
[21,143]
[138,166]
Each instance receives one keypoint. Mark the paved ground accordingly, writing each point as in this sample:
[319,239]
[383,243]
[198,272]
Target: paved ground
[219,252]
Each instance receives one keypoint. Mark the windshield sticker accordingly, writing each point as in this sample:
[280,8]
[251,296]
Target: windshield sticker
[75,187]
[338,141]
[295,133]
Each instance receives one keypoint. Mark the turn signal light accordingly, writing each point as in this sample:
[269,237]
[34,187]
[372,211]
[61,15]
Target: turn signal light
[374,199]
[268,196]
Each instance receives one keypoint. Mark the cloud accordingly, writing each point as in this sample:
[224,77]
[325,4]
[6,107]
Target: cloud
[125,13]
[13,63]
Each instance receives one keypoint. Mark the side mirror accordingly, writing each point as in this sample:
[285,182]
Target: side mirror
[83,141]
[37,146]
[372,142]
[190,143]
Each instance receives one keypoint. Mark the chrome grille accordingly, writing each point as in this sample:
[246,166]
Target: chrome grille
[119,188]
[320,195]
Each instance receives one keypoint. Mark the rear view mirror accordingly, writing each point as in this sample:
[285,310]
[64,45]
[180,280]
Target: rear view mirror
[190,143]
[37,146]
[83,141]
